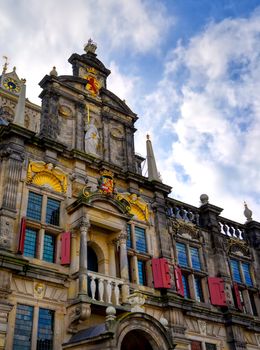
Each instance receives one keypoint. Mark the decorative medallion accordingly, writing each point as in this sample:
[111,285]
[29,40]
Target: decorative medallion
[65,111]
[47,175]
[138,207]
[106,182]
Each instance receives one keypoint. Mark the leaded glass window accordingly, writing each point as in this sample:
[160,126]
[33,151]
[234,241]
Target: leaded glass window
[129,243]
[246,272]
[53,212]
[34,207]
[186,288]
[195,259]
[23,327]
[140,240]
[210,346]
[141,272]
[182,254]
[235,271]
[48,248]
[198,289]
[30,243]
[45,329]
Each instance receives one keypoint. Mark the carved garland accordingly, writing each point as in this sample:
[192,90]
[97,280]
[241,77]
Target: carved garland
[47,175]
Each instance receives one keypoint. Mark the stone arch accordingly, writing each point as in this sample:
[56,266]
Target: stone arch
[145,326]
[100,255]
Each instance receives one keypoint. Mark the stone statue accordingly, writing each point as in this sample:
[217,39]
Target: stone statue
[91,139]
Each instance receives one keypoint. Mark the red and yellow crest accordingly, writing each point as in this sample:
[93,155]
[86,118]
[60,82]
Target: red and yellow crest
[106,182]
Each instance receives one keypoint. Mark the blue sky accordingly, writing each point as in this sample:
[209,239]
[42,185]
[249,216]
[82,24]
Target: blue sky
[190,69]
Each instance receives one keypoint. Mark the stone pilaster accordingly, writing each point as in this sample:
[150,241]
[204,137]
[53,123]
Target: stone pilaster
[106,146]
[79,137]
[83,256]
[130,149]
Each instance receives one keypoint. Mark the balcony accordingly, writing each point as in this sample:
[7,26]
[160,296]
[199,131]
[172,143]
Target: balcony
[106,289]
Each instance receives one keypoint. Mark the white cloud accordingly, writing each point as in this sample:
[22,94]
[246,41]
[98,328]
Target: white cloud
[207,136]
[37,35]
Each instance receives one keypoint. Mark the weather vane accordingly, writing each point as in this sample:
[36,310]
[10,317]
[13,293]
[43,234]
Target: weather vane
[5,64]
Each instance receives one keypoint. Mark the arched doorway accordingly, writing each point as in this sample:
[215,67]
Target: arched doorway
[135,340]
[92,260]
[92,266]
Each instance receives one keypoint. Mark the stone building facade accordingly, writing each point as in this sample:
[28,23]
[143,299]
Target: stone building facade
[93,255]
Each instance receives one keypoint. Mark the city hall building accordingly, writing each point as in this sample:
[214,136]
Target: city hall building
[94,255]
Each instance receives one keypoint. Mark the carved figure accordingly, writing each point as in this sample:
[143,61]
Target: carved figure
[91,139]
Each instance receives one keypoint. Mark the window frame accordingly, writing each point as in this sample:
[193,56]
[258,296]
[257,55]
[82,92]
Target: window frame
[42,227]
[134,255]
[190,272]
[35,327]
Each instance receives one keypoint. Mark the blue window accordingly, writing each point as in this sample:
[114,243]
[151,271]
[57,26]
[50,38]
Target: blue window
[198,289]
[53,212]
[235,271]
[30,243]
[195,259]
[186,288]
[23,327]
[246,272]
[141,272]
[48,248]
[182,254]
[34,207]
[140,240]
[129,243]
[45,329]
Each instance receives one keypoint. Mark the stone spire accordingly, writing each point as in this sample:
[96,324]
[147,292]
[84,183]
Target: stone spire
[151,164]
[20,107]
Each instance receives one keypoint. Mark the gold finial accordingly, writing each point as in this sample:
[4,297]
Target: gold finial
[5,64]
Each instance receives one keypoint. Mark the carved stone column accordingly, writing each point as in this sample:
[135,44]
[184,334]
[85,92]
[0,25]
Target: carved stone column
[83,256]
[12,165]
[124,265]
[12,178]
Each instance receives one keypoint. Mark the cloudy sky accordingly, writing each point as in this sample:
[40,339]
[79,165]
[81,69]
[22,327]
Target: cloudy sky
[190,69]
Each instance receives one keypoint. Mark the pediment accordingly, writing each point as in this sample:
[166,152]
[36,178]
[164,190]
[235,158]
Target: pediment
[112,101]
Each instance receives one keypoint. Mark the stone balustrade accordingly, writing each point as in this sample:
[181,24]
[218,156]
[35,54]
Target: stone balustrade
[105,289]
[182,211]
[231,229]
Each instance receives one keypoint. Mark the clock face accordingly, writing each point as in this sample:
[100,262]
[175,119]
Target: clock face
[11,85]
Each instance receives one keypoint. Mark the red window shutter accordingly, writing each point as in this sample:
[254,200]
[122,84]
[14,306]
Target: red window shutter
[157,275]
[217,291]
[22,236]
[195,345]
[166,277]
[238,300]
[178,279]
[161,273]
[65,248]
